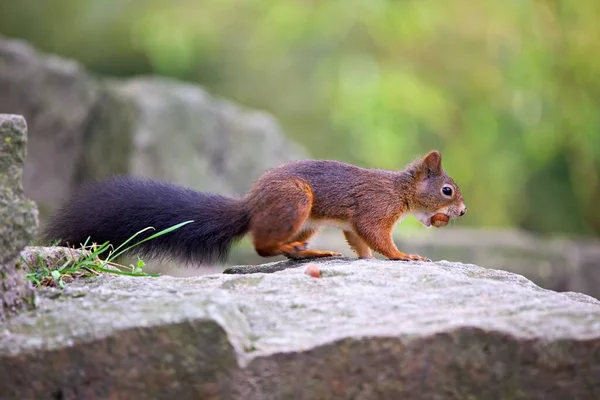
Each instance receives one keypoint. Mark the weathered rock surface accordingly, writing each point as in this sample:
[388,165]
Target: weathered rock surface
[185,135]
[85,127]
[52,257]
[367,329]
[55,96]
[560,264]
[18,215]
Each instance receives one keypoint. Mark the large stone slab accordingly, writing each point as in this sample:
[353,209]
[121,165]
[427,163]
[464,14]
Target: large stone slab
[560,264]
[18,215]
[367,329]
[556,263]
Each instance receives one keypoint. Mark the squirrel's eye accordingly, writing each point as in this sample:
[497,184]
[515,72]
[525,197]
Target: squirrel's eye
[447,191]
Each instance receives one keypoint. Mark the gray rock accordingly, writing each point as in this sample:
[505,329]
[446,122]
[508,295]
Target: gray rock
[55,96]
[367,329]
[83,127]
[55,257]
[107,138]
[18,215]
[560,264]
[185,135]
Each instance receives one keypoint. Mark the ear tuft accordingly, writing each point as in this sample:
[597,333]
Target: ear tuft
[432,162]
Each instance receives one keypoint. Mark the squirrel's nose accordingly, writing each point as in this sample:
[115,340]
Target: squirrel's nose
[463,211]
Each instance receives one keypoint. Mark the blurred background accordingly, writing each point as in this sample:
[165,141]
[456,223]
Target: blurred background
[508,91]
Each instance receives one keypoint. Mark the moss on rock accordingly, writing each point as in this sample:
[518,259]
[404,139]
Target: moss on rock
[18,215]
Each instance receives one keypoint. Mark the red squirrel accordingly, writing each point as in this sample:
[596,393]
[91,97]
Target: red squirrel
[282,211]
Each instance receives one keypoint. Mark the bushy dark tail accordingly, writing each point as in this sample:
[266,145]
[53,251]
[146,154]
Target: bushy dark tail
[116,209]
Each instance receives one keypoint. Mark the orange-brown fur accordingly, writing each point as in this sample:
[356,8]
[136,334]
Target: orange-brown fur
[367,204]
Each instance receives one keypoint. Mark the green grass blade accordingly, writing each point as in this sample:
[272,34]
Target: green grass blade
[132,237]
[26,263]
[118,272]
[163,232]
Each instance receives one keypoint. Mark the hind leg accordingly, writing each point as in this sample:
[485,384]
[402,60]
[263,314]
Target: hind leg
[278,216]
[361,249]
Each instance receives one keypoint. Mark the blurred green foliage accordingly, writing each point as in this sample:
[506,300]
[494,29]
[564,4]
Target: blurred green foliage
[509,90]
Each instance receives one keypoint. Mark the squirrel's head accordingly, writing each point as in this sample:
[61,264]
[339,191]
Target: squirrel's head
[435,191]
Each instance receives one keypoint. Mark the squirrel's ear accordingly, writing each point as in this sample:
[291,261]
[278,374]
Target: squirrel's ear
[432,163]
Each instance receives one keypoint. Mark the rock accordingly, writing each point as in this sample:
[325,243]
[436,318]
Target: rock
[367,329]
[55,96]
[185,135]
[560,264]
[108,137]
[51,257]
[18,215]
[40,260]
[83,127]
[553,263]
[586,279]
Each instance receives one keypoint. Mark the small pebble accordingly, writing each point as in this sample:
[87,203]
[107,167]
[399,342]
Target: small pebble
[313,270]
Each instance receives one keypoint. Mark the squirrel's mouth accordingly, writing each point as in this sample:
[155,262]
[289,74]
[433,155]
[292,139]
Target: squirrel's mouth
[442,216]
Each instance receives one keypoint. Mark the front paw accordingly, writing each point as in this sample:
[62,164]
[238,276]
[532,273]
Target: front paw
[411,257]
[416,257]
